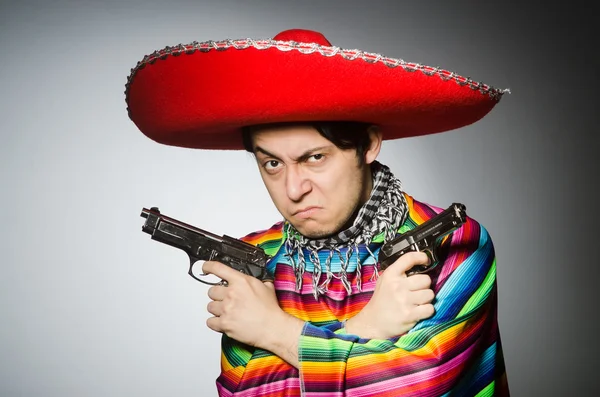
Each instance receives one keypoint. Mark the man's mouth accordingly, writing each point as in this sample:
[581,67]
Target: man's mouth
[306,212]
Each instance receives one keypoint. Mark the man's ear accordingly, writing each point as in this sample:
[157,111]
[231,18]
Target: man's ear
[375,137]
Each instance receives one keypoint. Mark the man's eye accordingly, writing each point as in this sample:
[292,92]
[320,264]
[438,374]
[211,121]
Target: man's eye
[316,158]
[271,164]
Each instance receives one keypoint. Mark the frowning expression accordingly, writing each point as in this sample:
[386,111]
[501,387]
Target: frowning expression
[315,185]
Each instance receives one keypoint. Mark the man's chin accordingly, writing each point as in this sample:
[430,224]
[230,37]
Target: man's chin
[317,234]
[313,230]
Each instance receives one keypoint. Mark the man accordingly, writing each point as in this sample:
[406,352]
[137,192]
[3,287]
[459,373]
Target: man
[315,116]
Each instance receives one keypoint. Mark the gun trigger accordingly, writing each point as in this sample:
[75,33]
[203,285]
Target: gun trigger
[197,278]
[431,256]
[193,261]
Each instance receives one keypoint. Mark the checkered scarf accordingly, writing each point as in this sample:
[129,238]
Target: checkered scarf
[385,211]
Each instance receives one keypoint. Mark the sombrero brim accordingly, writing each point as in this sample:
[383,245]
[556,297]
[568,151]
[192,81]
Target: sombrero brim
[199,95]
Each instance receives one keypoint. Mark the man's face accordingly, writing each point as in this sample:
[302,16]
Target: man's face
[315,185]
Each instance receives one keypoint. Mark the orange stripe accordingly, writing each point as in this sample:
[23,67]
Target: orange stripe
[434,349]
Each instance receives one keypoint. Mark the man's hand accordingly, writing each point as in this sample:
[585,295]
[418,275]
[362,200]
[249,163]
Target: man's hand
[247,310]
[398,302]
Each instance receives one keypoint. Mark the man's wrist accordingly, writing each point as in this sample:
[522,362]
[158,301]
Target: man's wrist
[361,327]
[281,338]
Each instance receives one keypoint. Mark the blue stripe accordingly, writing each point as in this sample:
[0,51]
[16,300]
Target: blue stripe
[479,375]
[461,284]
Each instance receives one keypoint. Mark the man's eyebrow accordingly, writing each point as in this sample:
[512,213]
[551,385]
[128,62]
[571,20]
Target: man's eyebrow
[265,152]
[303,157]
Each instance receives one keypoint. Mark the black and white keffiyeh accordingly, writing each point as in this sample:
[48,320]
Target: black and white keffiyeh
[385,211]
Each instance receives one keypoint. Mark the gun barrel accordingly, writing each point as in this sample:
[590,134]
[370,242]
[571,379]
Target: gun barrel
[201,245]
[154,217]
[445,222]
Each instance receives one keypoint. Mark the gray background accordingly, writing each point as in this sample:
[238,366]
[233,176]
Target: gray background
[90,306]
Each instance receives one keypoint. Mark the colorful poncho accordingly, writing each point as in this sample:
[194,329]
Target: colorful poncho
[456,352]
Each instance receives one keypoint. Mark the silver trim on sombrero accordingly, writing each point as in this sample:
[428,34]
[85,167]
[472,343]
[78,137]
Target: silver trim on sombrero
[309,48]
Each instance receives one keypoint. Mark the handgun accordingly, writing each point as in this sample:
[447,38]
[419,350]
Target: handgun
[201,245]
[423,238]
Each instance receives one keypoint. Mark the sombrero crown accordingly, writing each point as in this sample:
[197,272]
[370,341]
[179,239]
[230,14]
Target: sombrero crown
[200,95]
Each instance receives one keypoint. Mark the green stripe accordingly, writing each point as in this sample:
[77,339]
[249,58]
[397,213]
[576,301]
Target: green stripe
[271,247]
[420,338]
[408,224]
[488,391]
[482,292]
[324,350]
[237,355]
[409,342]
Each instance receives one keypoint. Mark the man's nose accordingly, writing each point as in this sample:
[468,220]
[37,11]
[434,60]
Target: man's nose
[297,184]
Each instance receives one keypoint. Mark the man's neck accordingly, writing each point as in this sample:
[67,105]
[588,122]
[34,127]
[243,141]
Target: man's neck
[366,194]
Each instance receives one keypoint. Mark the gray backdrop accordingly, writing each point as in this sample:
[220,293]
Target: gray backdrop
[90,306]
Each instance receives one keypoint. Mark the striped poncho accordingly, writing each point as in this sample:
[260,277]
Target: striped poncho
[456,352]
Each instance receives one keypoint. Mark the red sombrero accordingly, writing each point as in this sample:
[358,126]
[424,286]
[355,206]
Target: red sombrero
[199,95]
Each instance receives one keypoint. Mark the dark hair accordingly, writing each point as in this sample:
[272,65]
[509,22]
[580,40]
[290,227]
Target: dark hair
[343,134]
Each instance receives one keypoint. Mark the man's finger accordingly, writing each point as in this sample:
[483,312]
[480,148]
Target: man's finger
[269,285]
[220,270]
[408,260]
[217,292]
[214,323]
[424,311]
[422,297]
[418,282]
[215,308]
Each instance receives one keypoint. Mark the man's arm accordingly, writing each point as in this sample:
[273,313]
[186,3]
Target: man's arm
[398,302]
[458,349]
[247,311]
